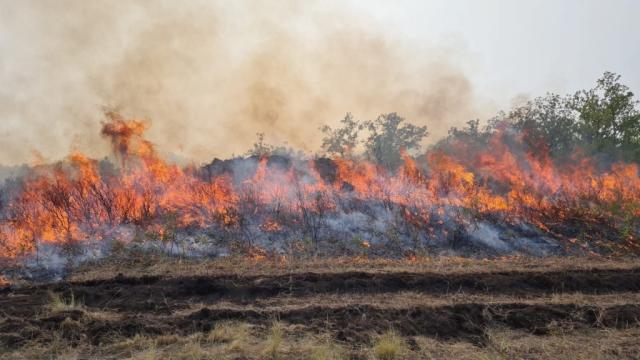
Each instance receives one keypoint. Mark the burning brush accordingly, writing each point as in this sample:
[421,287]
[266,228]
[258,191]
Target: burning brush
[497,200]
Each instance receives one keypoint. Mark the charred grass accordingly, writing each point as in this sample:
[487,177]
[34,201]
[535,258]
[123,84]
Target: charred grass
[513,309]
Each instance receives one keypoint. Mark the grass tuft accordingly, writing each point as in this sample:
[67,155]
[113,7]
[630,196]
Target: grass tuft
[233,333]
[389,346]
[70,329]
[273,343]
[192,350]
[59,304]
[132,345]
[166,340]
[149,354]
[327,351]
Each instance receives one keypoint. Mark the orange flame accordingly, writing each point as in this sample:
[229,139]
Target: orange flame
[75,201]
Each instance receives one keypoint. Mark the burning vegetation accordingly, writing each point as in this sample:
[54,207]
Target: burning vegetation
[335,246]
[556,176]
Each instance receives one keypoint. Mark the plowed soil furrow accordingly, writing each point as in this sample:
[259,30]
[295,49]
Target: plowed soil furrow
[466,321]
[458,306]
[353,323]
[146,293]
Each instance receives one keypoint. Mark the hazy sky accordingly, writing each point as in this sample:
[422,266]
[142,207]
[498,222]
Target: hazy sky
[527,47]
[208,75]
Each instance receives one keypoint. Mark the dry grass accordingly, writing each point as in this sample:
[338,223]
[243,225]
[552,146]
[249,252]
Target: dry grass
[71,329]
[285,341]
[193,350]
[509,344]
[407,299]
[148,354]
[59,303]
[233,334]
[237,265]
[502,344]
[131,347]
[389,346]
[273,343]
[326,349]
[166,340]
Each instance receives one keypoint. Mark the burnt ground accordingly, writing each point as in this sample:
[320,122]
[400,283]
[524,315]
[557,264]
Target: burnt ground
[351,306]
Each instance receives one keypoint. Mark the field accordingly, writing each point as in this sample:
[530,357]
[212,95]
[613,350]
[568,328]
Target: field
[560,308]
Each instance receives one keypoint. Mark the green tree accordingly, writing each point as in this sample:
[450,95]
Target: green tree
[261,148]
[471,132]
[548,125]
[608,118]
[343,140]
[466,140]
[388,136]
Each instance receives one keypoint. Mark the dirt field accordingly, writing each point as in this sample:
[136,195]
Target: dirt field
[446,308]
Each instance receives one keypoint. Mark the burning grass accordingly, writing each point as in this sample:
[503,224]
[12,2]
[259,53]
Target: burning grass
[489,202]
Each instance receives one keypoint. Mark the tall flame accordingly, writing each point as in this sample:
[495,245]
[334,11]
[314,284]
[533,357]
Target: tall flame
[78,201]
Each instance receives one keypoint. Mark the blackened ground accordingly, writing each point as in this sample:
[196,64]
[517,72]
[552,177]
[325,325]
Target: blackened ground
[351,305]
[151,293]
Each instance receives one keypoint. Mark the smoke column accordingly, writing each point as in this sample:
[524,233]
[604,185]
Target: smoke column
[210,75]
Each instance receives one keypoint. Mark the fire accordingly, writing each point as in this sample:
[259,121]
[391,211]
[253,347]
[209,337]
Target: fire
[256,253]
[126,137]
[79,200]
[271,225]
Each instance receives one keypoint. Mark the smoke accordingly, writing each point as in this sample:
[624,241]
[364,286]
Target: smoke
[210,75]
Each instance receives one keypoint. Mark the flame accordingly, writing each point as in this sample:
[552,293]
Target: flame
[256,253]
[271,226]
[77,200]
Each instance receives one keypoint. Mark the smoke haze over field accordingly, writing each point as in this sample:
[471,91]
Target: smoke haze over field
[208,75]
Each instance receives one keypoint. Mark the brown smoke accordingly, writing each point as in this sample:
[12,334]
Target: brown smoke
[210,75]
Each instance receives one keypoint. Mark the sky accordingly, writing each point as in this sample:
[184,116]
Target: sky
[208,75]
[526,47]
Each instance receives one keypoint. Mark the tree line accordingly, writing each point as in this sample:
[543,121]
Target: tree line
[603,121]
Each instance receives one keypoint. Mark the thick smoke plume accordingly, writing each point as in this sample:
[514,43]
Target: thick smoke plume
[210,74]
